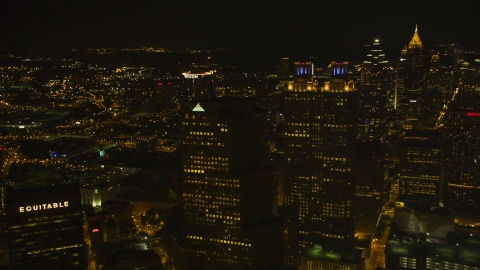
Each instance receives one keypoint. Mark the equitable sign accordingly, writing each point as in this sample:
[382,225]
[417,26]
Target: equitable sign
[44,206]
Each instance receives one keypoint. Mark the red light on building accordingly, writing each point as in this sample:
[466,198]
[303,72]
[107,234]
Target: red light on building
[95,230]
[473,114]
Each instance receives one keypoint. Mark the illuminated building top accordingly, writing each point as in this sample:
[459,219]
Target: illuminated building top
[303,68]
[198,108]
[195,75]
[415,43]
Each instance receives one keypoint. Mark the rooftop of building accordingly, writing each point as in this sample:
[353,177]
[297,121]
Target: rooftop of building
[137,250]
[351,256]
[132,159]
[415,43]
[409,247]
[226,105]
[114,202]
[42,193]
[425,209]
[416,133]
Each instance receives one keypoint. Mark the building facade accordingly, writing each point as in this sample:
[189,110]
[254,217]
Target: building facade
[45,228]
[460,165]
[420,168]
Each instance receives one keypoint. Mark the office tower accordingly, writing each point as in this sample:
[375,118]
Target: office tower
[442,71]
[410,82]
[375,57]
[299,157]
[414,65]
[420,167]
[200,84]
[229,189]
[400,77]
[284,68]
[45,228]
[467,77]
[166,96]
[460,165]
[434,63]
[374,86]
[320,137]
[433,96]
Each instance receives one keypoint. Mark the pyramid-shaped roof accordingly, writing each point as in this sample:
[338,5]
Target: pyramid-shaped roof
[198,108]
[415,43]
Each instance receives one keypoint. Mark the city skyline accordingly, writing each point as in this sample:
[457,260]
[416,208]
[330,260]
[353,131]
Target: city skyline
[201,135]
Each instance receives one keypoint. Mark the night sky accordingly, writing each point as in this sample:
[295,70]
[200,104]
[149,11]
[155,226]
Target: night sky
[297,25]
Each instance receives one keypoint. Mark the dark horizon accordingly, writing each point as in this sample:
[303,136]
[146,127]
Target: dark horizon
[310,27]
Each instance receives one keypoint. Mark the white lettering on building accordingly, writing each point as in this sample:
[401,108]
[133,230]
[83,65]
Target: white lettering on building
[44,206]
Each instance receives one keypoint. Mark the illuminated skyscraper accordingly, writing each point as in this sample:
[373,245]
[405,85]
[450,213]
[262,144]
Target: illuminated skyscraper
[410,82]
[320,138]
[414,64]
[229,189]
[374,86]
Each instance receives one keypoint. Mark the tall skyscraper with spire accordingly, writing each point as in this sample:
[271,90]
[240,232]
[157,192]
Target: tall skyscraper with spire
[410,82]
[414,64]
